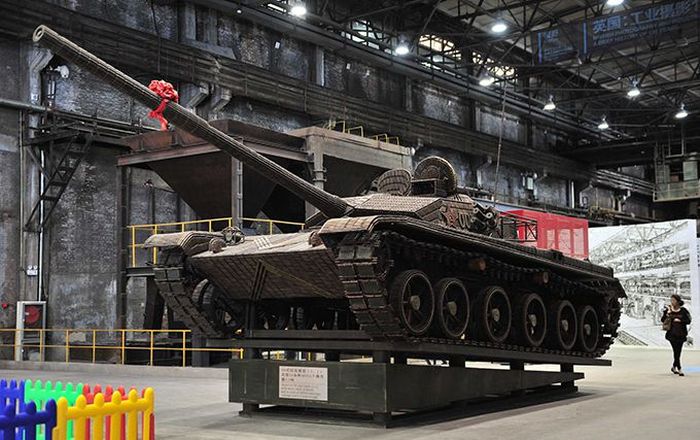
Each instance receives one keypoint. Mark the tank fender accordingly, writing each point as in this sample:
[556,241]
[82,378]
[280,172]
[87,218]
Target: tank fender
[349,224]
[191,242]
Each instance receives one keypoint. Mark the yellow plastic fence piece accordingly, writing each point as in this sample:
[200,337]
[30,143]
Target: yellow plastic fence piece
[97,412]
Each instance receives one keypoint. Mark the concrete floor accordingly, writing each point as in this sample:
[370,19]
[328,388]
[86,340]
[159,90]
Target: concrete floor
[637,398]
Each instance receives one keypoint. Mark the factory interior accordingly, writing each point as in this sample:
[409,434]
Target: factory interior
[329,219]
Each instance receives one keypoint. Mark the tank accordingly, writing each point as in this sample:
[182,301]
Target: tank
[415,261]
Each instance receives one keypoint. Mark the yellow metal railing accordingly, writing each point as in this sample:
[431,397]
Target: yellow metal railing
[350,130]
[360,129]
[139,233]
[122,343]
[386,138]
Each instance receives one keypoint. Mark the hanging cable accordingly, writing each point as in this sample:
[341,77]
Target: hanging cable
[500,141]
[157,30]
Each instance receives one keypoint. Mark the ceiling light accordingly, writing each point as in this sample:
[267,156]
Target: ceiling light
[486,80]
[682,112]
[603,124]
[634,91]
[550,105]
[298,10]
[613,3]
[402,49]
[499,26]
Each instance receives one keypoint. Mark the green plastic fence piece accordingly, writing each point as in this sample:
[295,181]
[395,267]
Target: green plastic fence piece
[40,393]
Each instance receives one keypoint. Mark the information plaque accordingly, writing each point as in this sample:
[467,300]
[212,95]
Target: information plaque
[305,383]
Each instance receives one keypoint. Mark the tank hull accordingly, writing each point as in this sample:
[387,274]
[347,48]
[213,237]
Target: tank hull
[280,266]
[354,264]
[286,266]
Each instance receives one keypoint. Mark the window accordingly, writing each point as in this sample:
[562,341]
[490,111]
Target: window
[440,46]
[442,53]
[501,71]
[365,33]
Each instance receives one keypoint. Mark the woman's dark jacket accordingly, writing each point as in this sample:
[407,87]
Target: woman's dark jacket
[679,330]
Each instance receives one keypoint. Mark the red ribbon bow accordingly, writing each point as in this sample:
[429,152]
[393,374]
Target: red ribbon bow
[166,91]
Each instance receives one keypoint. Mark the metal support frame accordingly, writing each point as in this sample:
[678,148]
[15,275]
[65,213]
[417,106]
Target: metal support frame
[382,391]
[237,192]
[253,353]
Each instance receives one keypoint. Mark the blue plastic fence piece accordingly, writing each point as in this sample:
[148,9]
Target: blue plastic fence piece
[22,425]
[11,394]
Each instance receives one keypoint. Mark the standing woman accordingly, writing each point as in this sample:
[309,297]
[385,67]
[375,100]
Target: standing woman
[676,319]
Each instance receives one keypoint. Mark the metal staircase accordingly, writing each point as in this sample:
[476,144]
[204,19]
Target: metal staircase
[67,145]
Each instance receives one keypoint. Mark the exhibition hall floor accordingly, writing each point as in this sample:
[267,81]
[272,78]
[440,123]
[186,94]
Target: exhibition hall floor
[637,398]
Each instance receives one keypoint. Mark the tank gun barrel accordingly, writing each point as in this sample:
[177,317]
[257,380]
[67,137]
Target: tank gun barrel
[329,204]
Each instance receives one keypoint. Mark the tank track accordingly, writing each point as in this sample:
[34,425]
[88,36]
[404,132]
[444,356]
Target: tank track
[177,286]
[362,261]
[171,282]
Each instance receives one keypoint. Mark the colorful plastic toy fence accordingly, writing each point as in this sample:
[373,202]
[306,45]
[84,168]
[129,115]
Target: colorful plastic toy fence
[41,393]
[80,414]
[18,417]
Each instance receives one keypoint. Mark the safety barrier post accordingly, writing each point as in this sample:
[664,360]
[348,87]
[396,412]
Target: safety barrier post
[184,348]
[155,249]
[41,344]
[67,336]
[123,346]
[133,246]
[150,362]
[94,343]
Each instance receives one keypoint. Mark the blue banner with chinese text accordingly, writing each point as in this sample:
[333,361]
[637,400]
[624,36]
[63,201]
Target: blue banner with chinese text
[651,23]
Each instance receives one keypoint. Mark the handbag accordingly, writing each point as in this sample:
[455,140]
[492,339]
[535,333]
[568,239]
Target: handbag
[666,324]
